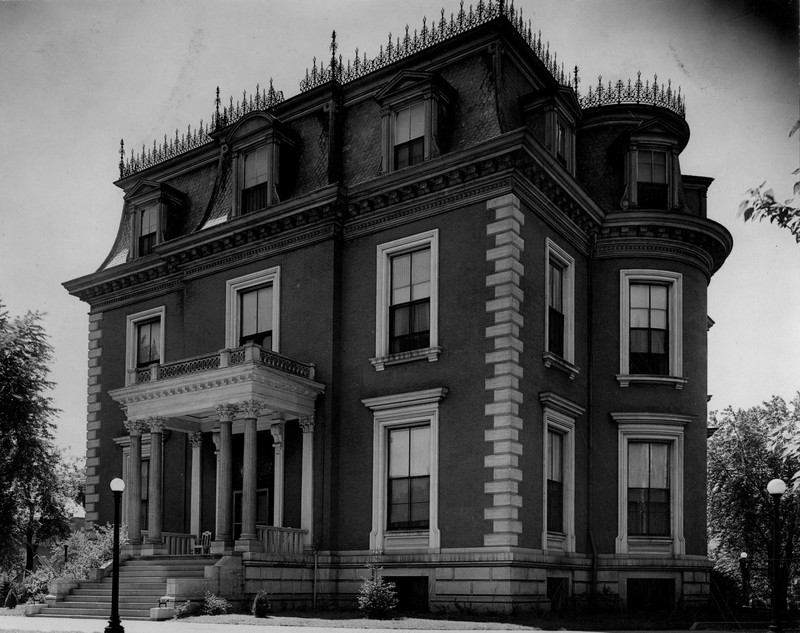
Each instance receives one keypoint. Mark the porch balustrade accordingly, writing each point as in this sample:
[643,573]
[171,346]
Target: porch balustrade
[249,353]
[177,544]
[282,541]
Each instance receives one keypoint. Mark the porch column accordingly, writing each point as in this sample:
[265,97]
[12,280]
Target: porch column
[248,541]
[154,544]
[135,429]
[307,480]
[277,429]
[196,441]
[223,539]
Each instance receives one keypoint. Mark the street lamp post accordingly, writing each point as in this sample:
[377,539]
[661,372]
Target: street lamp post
[776,488]
[114,625]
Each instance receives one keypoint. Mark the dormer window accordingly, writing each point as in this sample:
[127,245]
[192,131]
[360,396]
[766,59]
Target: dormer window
[262,151]
[409,135]
[256,180]
[156,215]
[414,112]
[652,186]
[561,144]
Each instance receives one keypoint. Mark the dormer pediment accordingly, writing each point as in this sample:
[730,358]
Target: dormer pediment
[411,83]
[146,191]
[259,126]
[652,131]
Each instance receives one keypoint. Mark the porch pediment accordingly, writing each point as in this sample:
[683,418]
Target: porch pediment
[192,389]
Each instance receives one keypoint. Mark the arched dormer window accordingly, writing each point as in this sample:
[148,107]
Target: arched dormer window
[261,148]
[414,113]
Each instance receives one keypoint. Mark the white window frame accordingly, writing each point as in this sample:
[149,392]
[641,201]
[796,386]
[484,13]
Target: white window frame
[131,339]
[674,283]
[651,427]
[565,426]
[270,276]
[553,251]
[428,239]
[415,408]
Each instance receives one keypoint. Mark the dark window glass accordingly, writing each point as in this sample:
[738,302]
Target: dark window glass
[409,309]
[561,144]
[148,345]
[409,136]
[148,230]
[555,482]
[649,329]
[408,487]
[145,490]
[652,186]
[648,489]
[255,181]
[255,316]
[555,310]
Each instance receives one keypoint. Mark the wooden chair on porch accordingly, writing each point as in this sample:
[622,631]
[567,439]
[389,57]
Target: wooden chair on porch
[204,546]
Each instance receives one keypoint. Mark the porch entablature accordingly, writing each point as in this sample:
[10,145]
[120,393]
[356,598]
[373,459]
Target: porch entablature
[187,392]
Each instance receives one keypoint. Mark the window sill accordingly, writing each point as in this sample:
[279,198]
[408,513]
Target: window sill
[555,361]
[625,380]
[650,545]
[406,539]
[556,541]
[430,353]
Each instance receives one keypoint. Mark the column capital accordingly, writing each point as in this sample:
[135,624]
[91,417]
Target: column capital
[215,439]
[196,439]
[226,412]
[157,424]
[250,409]
[307,423]
[136,427]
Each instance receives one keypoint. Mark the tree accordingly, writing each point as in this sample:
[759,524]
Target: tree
[33,506]
[749,448]
[761,205]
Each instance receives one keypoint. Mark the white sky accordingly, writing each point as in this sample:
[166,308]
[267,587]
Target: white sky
[76,76]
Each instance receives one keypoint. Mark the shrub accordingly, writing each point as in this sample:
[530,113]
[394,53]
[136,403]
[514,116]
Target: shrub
[188,609]
[261,605]
[215,605]
[377,598]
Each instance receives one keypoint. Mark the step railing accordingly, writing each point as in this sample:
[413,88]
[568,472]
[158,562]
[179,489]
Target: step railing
[282,541]
[177,544]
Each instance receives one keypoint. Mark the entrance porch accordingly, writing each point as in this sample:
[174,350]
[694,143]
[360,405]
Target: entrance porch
[257,407]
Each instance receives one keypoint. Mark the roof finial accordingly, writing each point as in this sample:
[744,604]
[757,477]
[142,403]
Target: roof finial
[217,103]
[121,157]
[333,54]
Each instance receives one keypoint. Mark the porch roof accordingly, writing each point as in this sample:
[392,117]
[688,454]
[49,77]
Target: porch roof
[188,392]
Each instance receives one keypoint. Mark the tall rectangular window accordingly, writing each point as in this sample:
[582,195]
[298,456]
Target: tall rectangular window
[254,191]
[409,136]
[561,144]
[648,489]
[410,310]
[255,316]
[649,329]
[148,230]
[555,308]
[408,483]
[652,189]
[148,346]
[555,482]
[145,491]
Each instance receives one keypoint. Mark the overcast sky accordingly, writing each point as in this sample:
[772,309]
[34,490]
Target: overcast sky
[76,76]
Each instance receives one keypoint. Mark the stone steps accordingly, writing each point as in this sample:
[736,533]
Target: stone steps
[143,581]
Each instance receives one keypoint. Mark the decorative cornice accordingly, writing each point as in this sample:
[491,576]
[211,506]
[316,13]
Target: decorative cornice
[561,404]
